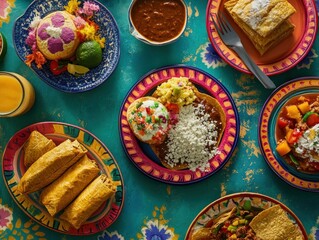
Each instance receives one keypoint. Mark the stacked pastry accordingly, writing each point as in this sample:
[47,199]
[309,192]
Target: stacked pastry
[67,178]
[265,22]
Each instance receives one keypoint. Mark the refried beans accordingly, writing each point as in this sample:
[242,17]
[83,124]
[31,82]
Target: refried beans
[158,20]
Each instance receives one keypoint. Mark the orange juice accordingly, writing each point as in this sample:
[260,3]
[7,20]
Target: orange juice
[16,94]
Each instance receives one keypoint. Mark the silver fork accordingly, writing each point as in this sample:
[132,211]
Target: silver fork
[231,39]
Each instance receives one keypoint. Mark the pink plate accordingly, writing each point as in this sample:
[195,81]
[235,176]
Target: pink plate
[13,169]
[280,58]
[226,203]
[141,154]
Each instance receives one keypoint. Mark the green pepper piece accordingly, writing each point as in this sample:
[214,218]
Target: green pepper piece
[232,228]
[138,105]
[306,116]
[247,205]
[293,159]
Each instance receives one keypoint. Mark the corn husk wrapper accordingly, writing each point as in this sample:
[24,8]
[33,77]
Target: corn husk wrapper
[63,190]
[50,166]
[36,145]
[92,197]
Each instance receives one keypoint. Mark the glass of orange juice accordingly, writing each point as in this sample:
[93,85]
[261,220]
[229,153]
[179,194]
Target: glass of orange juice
[16,94]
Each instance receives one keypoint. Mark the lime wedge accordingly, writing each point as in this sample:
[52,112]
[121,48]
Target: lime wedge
[77,70]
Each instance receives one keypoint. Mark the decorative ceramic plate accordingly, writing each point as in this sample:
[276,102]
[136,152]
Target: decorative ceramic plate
[280,58]
[13,169]
[228,202]
[66,82]
[267,132]
[142,155]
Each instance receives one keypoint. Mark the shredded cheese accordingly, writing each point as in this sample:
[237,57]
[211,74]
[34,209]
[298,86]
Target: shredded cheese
[191,139]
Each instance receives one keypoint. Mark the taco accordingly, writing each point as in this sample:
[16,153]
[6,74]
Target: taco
[195,134]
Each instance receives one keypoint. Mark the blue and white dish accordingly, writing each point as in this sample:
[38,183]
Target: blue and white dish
[66,82]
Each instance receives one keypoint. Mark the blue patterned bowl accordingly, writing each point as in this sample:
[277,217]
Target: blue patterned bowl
[66,82]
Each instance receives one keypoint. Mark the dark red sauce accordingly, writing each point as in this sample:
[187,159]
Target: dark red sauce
[158,20]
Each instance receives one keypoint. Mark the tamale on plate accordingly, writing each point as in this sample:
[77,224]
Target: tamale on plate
[92,197]
[36,145]
[63,190]
[50,166]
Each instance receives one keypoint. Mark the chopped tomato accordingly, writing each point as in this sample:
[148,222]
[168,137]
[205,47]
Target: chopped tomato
[173,108]
[295,135]
[282,122]
[312,120]
[57,68]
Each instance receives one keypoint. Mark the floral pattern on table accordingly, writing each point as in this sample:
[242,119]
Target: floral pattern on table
[210,58]
[157,227]
[110,236]
[17,229]
[308,60]
[5,10]
[314,235]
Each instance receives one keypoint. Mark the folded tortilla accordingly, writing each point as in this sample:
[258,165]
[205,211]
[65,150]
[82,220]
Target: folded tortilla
[274,224]
[89,200]
[36,145]
[50,166]
[63,190]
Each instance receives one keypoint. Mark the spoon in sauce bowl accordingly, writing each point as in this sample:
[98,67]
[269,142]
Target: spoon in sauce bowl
[157,22]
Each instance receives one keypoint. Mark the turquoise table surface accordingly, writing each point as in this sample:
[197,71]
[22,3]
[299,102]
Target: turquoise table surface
[152,209]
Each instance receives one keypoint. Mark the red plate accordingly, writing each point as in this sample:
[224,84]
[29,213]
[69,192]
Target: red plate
[280,58]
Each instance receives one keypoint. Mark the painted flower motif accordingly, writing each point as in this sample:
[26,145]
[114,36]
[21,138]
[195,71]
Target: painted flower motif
[156,231]
[308,60]
[314,235]
[210,58]
[5,217]
[56,34]
[110,236]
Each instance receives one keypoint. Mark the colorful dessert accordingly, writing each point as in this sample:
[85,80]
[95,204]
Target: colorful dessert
[148,119]
[58,38]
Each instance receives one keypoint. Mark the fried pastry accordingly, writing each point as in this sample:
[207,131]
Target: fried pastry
[36,145]
[50,166]
[264,22]
[89,200]
[66,188]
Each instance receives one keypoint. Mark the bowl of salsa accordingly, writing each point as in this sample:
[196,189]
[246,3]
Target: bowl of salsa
[157,22]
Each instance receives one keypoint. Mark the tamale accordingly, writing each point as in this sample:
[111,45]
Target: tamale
[50,166]
[36,145]
[63,190]
[92,197]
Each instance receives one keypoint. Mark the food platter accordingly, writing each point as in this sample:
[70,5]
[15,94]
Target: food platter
[226,203]
[66,82]
[141,154]
[282,57]
[267,131]
[13,169]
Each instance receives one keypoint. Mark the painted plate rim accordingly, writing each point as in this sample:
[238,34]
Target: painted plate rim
[233,196]
[66,82]
[263,128]
[131,145]
[291,59]
[14,146]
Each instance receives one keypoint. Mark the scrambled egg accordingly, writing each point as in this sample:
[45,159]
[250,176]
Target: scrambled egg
[176,90]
